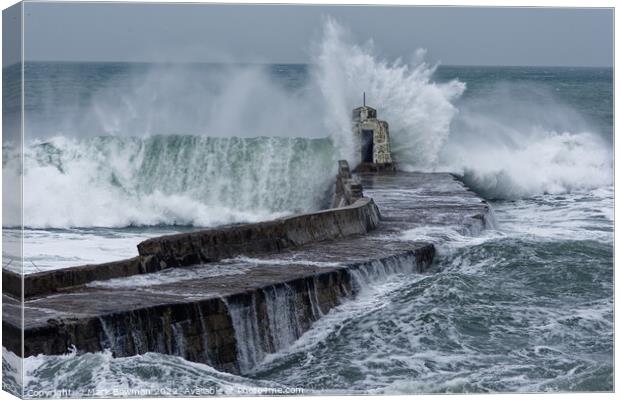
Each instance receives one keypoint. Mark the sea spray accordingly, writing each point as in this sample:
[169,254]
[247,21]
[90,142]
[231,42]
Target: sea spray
[519,140]
[418,110]
[136,99]
[553,163]
[159,145]
[507,140]
[501,302]
[486,137]
[171,180]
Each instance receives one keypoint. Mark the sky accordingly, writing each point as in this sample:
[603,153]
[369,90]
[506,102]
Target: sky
[284,34]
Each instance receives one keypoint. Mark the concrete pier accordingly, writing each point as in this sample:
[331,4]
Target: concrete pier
[227,297]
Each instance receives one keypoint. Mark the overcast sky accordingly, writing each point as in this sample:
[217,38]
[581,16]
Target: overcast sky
[283,34]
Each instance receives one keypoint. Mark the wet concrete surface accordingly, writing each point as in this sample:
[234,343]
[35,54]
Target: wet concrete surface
[405,200]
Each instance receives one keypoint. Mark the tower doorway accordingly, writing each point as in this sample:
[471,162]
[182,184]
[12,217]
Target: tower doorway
[367,145]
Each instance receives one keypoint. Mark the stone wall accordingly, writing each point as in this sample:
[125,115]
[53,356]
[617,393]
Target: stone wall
[232,321]
[62,279]
[271,236]
[46,282]
[347,188]
[352,215]
[232,333]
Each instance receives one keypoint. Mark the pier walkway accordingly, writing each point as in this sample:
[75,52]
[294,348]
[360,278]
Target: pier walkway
[232,311]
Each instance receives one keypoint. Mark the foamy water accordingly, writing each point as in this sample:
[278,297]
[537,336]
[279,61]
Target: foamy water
[523,307]
[509,310]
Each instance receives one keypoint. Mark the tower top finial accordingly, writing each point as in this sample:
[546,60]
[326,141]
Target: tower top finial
[364,95]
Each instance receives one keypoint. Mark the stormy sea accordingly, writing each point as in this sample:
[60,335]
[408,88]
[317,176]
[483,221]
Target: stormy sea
[118,152]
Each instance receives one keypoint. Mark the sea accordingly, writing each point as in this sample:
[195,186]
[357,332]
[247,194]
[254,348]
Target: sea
[115,153]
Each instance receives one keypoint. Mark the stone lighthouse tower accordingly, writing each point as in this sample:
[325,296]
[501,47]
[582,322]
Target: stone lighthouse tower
[373,138]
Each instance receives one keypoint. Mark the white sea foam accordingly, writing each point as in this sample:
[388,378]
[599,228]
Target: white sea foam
[173,275]
[549,162]
[418,110]
[284,261]
[53,249]
[580,215]
[119,182]
[131,376]
[446,238]
[134,178]
[506,143]
[408,333]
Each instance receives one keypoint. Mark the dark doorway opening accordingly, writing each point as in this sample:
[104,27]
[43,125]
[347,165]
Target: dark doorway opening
[367,145]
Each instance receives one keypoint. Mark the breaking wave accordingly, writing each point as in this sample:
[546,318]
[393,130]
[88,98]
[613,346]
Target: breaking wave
[510,141]
[418,109]
[553,163]
[170,180]
[113,162]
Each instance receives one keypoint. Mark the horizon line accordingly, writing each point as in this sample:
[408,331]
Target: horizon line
[295,63]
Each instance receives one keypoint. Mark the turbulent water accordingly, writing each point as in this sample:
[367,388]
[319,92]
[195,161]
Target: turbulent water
[122,189]
[116,153]
[524,308]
